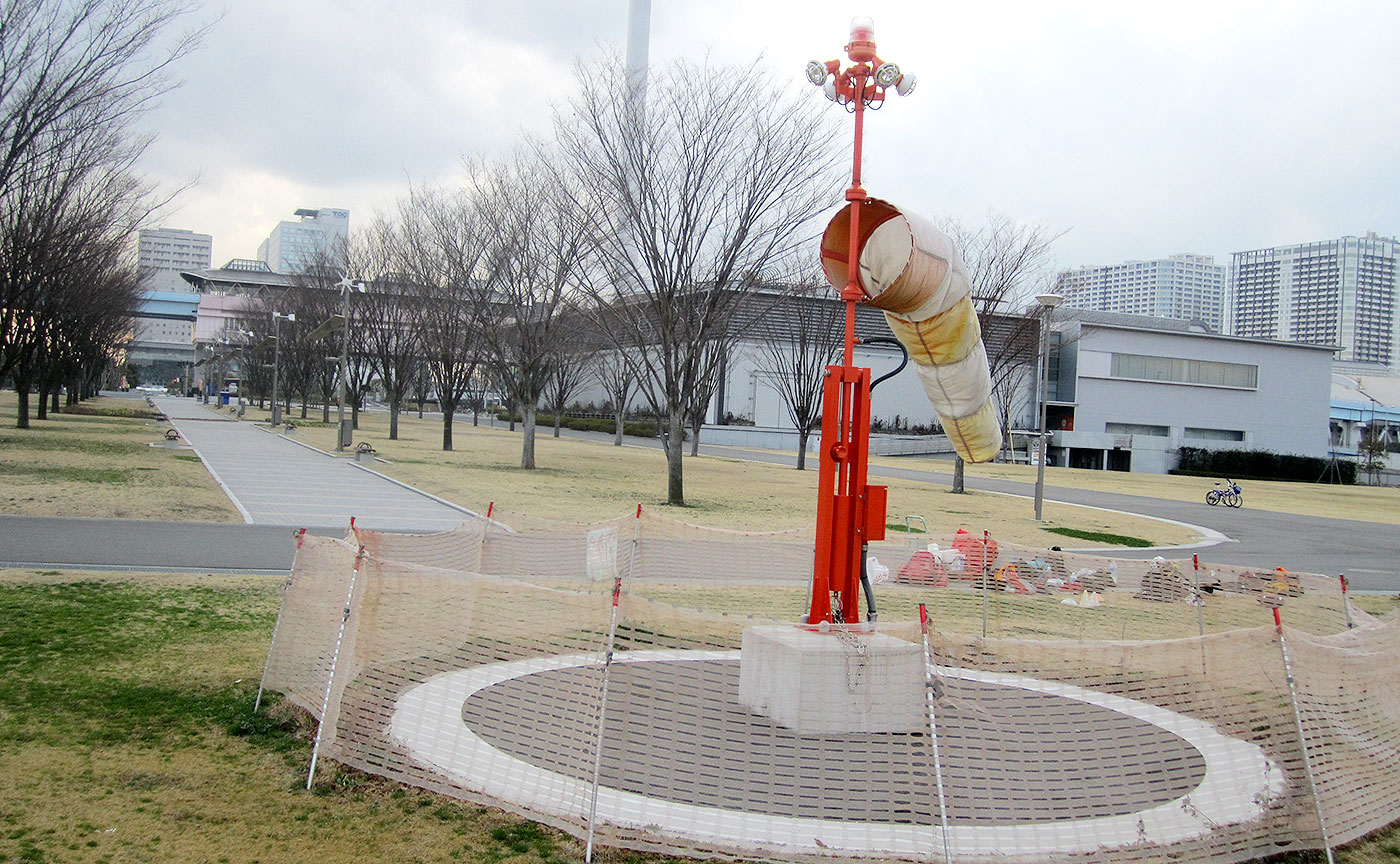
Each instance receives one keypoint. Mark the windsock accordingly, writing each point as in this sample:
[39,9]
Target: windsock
[910,269]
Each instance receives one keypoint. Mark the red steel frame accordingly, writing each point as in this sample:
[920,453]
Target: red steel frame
[850,512]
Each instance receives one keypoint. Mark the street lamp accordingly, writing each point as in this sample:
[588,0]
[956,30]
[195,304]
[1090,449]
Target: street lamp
[1048,302]
[277,363]
[346,286]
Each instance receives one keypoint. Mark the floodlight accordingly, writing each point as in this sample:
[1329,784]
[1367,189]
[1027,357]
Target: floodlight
[887,75]
[816,72]
[291,316]
[830,91]
[905,85]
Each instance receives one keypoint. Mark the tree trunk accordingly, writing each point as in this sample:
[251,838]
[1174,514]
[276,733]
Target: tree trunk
[527,446]
[958,474]
[447,412]
[43,403]
[354,413]
[558,420]
[619,422]
[695,441]
[675,447]
[326,411]
[393,417]
[802,436]
[54,408]
[22,411]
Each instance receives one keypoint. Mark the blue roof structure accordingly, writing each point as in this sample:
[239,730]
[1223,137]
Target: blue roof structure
[169,304]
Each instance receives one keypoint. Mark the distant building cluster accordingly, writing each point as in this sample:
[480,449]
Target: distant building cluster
[1343,293]
[1191,287]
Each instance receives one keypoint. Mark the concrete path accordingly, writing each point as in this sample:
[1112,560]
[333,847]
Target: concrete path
[273,480]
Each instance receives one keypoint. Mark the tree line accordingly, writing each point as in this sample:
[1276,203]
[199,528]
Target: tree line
[75,78]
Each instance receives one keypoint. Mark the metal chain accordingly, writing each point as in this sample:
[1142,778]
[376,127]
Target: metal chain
[856,658]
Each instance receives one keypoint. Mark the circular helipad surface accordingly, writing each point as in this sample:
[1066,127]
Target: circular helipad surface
[1026,765]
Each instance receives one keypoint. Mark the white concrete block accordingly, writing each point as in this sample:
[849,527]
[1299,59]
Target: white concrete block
[825,683]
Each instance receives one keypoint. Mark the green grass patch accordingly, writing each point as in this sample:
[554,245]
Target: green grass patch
[68,473]
[91,662]
[1101,537]
[903,528]
[41,439]
[137,410]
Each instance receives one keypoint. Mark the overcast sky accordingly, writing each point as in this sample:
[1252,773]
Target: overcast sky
[1140,130]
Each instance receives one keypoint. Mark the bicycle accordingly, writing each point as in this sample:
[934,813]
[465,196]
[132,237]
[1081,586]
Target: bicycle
[1231,495]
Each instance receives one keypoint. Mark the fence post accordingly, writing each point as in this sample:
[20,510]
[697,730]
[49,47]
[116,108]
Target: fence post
[602,717]
[929,694]
[1302,738]
[335,658]
[985,587]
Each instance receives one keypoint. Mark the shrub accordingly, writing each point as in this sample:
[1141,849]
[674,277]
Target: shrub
[1259,465]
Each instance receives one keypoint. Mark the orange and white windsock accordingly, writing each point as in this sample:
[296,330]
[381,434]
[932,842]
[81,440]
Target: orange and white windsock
[910,269]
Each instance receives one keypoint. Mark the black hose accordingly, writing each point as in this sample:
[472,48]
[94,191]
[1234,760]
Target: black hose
[870,613]
[887,340]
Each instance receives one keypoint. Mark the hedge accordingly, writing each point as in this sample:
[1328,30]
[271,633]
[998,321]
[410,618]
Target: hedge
[632,428]
[1262,465]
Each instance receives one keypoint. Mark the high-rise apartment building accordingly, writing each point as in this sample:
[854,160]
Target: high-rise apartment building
[163,252]
[1343,292]
[317,238]
[1179,286]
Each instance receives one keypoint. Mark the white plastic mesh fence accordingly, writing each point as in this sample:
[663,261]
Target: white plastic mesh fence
[1151,720]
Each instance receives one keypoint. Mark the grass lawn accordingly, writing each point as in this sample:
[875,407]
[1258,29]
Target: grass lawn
[99,463]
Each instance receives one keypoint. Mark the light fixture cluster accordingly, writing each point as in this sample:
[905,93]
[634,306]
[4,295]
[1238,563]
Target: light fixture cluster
[870,74]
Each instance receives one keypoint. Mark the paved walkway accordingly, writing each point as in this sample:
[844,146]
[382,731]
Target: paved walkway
[273,480]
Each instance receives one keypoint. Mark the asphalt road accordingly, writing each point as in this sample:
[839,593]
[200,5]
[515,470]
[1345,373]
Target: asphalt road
[1367,552]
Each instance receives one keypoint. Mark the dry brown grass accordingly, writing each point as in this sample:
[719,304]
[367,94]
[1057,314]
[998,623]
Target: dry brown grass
[1366,503]
[102,466]
[586,480]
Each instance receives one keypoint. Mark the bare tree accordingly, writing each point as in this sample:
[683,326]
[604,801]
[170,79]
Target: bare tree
[690,196]
[533,264]
[442,246]
[390,336]
[569,371]
[1006,261]
[798,347]
[618,379]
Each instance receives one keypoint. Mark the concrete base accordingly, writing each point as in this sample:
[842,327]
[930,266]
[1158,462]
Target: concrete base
[827,683]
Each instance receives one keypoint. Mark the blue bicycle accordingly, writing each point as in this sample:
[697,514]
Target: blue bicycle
[1230,496]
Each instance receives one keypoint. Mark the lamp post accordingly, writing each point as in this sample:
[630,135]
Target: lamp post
[346,435]
[277,363]
[1048,302]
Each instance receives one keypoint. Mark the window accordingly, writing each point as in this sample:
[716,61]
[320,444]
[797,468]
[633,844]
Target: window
[1214,434]
[1135,429]
[1207,373]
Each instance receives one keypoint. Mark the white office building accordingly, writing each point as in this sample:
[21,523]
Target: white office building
[1190,287]
[1126,392]
[316,238]
[1343,292]
[163,252]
